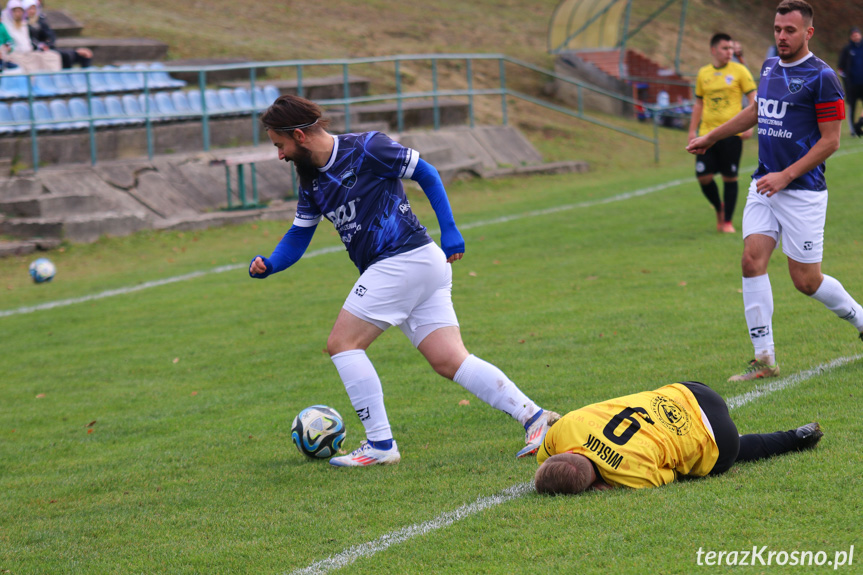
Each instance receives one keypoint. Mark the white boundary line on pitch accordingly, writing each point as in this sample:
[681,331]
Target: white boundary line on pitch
[502,219]
[446,519]
[233,267]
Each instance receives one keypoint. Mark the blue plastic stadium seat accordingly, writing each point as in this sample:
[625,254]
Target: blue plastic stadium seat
[244,99]
[228,100]
[159,78]
[60,111]
[13,86]
[131,79]
[63,84]
[21,113]
[99,109]
[6,119]
[78,112]
[43,116]
[181,102]
[261,102]
[194,99]
[98,82]
[214,103]
[271,93]
[115,108]
[113,79]
[43,85]
[165,106]
[151,108]
[133,108]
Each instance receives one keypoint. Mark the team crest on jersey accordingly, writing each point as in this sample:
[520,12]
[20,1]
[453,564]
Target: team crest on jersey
[348,179]
[671,415]
[795,85]
[729,79]
[405,207]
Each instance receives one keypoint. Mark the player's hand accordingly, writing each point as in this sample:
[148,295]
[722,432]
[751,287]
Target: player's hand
[452,243]
[771,183]
[698,145]
[260,267]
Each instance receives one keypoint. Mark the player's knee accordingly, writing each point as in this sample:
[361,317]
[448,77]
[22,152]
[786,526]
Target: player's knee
[751,265]
[806,284]
[445,367]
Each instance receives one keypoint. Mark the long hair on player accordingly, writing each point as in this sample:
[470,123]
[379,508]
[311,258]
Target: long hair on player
[289,113]
[563,474]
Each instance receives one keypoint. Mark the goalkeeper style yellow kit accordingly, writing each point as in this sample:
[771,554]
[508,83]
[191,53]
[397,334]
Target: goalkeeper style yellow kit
[646,439]
[721,90]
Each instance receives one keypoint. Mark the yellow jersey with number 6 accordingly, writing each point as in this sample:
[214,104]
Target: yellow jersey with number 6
[646,439]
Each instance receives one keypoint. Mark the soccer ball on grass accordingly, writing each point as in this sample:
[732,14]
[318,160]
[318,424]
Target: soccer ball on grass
[42,270]
[318,431]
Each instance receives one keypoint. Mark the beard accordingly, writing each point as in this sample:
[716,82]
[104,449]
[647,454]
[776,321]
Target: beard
[304,166]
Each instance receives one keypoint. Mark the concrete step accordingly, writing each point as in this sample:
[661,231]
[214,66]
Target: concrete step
[231,77]
[84,229]
[315,88]
[109,50]
[565,167]
[23,247]
[50,205]
[63,23]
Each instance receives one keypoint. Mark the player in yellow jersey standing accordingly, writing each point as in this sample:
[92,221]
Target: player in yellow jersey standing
[652,438]
[719,90]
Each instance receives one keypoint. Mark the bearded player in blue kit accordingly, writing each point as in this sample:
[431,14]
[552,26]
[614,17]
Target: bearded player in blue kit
[799,112]
[354,180]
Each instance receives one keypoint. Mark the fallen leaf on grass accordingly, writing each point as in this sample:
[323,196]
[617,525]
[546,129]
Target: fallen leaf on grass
[40,396]
[89,431]
[591,278]
[682,284]
[464,402]
[194,393]
[176,360]
[92,423]
[472,274]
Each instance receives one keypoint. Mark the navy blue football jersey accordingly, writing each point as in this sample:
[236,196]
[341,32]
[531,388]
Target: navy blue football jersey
[792,100]
[360,191]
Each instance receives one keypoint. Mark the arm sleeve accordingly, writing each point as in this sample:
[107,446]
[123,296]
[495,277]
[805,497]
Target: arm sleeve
[289,250]
[429,180]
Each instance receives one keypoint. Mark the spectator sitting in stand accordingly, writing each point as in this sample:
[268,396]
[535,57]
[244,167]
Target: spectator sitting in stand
[5,45]
[21,51]
[44,37]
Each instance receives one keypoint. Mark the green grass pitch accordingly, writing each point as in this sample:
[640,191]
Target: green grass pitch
[149,432]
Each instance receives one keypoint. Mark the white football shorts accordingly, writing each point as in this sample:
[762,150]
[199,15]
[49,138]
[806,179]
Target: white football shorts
[412,290]
[797,216]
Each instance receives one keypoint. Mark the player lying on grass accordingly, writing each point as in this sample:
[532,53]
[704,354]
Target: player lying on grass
[652,438]
[354,181]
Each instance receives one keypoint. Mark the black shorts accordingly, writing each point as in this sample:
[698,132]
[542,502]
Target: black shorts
[722,157]
[724,430]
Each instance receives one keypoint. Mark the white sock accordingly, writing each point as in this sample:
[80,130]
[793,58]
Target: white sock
[492,386]
[833,295]
[758,308]
[365,392]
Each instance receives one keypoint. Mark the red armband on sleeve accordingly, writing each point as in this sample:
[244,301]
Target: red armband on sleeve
[830,111]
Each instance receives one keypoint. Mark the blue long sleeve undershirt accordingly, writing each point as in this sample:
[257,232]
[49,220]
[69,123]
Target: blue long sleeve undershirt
[429,180]
[288,251]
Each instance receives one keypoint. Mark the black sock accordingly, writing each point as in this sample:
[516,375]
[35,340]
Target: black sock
[730,199]
[755,446]
[711,192]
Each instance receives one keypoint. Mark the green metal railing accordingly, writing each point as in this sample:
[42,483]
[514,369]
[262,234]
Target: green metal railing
[490,87]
